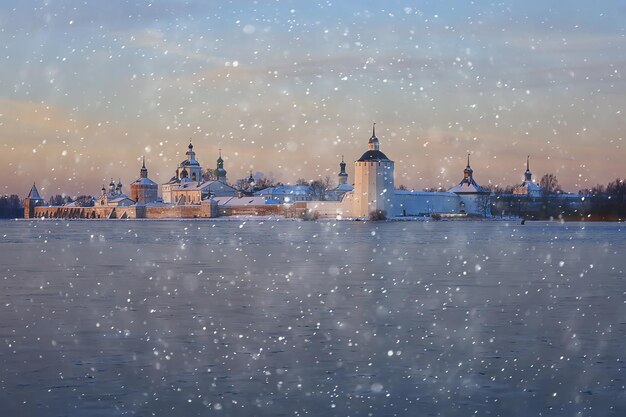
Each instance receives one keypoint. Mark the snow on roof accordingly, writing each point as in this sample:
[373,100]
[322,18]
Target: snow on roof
[119,198]
[144,181]
[34,193]
[194,185]
[528,188]
[468,188]
[286,190]
[373,155]
[244,201]
[173,180]
[424,193]
[531,186]
[344,187]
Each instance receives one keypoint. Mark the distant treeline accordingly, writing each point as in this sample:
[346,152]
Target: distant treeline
[606,203]
[597,203]
[80,201]
[11,207]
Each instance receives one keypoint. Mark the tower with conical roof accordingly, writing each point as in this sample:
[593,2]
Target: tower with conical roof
[31,201]
[143,190]
[373,180]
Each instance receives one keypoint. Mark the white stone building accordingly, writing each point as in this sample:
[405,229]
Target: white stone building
[373,181]
[374,190]
[114,196]
[474,198]
[188,185]
[287,194]
[337,193]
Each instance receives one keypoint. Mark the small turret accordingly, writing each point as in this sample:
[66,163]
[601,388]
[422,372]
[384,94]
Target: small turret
[143,172]
[220,172]
[373,144]
[343,176]
[191,155]
[528,176]
[468,172]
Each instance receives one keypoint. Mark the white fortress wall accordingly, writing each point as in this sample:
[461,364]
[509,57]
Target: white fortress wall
[412,203]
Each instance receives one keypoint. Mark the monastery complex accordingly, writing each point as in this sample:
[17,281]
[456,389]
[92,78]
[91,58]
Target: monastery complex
[190,193]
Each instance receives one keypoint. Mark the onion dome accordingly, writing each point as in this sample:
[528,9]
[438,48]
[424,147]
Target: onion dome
[220,172]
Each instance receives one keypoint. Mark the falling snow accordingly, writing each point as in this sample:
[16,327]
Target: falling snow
[310,318]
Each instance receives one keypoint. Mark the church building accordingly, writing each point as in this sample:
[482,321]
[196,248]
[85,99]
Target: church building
[528,186]
[114,196]
[374,191]
[188,185]
[474,198]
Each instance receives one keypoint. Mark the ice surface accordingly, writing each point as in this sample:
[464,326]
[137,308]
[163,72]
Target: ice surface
[303,318]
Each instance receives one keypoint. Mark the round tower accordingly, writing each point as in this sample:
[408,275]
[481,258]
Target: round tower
[144,190]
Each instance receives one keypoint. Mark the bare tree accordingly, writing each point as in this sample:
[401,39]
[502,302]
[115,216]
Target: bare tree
[320,187]
[241,184]
[264,182]
[550,185]
[59,200]
[483,201]
[84,201]
[209,175]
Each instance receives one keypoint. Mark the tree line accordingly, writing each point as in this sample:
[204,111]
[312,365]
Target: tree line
[606,202]
[11,207]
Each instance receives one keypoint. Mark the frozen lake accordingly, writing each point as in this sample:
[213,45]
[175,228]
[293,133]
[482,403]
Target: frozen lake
[195,318]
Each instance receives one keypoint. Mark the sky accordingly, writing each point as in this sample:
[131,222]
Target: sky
[285,88]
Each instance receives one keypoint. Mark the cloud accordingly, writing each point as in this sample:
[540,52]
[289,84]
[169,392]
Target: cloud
[155,39]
